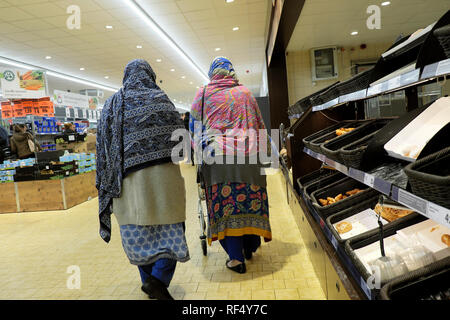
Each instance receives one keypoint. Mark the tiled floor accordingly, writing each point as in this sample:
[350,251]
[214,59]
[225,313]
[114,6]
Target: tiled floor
[36,250]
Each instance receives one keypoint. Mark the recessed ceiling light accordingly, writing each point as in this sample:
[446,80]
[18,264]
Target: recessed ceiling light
[198,87]
[106,77]
[139,47]
[235,28]
[48,57]
[218,49]
[82,69]
[229,1]
[386,3]
[183,77]
[172,70]
[354,33]
[108,27]
[158,60]
[190,82]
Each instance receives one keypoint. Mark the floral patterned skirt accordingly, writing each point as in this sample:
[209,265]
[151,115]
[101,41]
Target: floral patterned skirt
[237,209]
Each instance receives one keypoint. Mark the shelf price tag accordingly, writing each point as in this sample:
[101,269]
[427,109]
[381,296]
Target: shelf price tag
[84,113]
[412,201]
[443,67]
[439,214]
[67,112]
[369,180]
[334,242]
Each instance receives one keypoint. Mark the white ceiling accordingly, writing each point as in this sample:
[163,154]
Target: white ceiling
[30,30]
[326,23]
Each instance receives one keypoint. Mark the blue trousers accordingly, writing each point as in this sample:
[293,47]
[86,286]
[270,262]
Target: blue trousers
[234,246]
[162,269]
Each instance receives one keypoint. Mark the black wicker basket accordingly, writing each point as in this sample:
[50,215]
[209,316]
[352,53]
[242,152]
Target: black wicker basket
[341,186]
[366,239]
[332,148]
[309,139]
[431,282]
[430,177]
[352,154]
[357,208]
[358,82]
[313,177]
[315,144]
[321,182]
[443,36]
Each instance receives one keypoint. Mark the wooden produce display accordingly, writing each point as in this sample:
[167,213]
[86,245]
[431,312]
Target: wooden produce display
[47,195]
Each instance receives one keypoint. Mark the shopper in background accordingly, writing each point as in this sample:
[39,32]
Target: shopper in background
[237,202]
[21,141]
[69,128]
[136,176]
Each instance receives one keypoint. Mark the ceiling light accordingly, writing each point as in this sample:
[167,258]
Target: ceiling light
[172,70]
[157,29]
[106,77]
[190,82]
[354,33]
[108,27]
[218,49]
[82,69]
[386,3]
[60,75]
[198,87]
[139,47]
[48,57]
[229,1]
[235,28]
[158,60]
[183,77]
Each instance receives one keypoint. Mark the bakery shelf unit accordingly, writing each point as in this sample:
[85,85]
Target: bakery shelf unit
[411,66]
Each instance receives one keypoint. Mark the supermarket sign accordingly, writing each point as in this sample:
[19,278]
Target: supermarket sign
[22,84]
[70,99]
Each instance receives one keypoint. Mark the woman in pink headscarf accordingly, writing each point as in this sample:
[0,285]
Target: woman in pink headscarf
[238,209]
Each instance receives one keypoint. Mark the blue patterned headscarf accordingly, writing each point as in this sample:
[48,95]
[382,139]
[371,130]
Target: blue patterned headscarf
[221,66]
[134,133]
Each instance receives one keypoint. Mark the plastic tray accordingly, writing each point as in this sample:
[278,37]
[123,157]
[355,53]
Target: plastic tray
[336,188]
[422,284]
[366,239]
[430,177]
[332,148]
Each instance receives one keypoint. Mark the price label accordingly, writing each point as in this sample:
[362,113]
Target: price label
[322,157]
[84,113]
[412,201]
[439,214]
[71,138]
[369,180]
[67,112]
[334,242]
[409,77]
[365,288]
[443,67]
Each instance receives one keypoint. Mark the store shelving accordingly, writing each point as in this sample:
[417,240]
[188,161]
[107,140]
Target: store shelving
[410,79]
[427,208]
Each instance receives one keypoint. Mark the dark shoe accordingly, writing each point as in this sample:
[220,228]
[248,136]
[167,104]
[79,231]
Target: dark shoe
[145,290]
[156,288]
[240,268]
[248,254]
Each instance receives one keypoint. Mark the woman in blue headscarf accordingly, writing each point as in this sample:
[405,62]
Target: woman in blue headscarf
[137,181]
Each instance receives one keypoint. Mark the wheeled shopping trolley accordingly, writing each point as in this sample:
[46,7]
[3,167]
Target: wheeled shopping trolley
[202,217]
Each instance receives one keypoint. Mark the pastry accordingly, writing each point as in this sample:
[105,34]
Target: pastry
[391,214]
[343,227]
[446,239]
[323,202]
[352,192]
[339,197]
[341,131]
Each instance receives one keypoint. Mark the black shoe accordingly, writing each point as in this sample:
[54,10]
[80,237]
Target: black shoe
[145,290]
[156,289]
[248,254]
[240,268]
